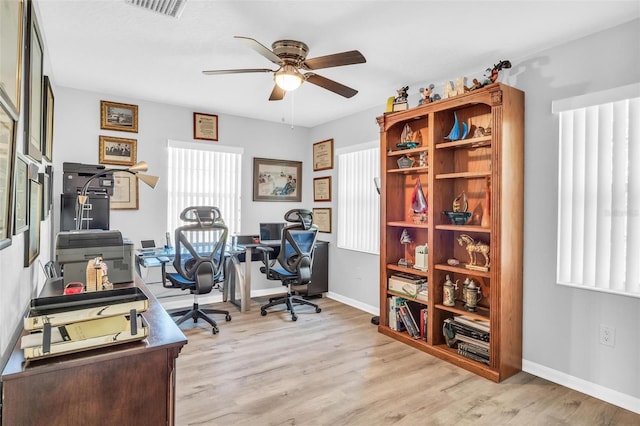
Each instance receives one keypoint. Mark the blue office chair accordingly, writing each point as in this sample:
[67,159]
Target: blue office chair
[295,260]
[199,260]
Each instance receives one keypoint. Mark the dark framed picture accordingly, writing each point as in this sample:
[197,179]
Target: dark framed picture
[20,196]
[33,127]
[47,125]
[323,155]
[125,191]
[7,154]
[11,29]
[117,116]
[205,126]
[322,189]
[277,180]
[322,219]
[32,236]
[45,184]
[117,151]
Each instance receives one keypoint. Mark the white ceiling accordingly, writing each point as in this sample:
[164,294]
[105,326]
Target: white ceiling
[109,46]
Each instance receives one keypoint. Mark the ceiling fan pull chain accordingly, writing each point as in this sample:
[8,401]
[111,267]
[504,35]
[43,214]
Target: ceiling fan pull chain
[293,95]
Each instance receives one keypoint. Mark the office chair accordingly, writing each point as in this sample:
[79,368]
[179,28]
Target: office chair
[295,260]
[199,260]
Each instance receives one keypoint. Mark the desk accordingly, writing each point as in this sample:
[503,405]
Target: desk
[132,383]
[234,275]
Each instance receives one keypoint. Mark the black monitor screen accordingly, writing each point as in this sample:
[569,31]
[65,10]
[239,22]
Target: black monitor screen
[271,231]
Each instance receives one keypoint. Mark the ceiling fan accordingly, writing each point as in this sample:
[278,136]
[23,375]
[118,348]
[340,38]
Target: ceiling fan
[291,57]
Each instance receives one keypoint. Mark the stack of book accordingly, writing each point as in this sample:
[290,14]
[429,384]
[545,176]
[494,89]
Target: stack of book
[409,285]
[471,336]
[60,325]
[408,316]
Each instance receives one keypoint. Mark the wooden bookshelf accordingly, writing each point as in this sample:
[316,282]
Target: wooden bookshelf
[453,167]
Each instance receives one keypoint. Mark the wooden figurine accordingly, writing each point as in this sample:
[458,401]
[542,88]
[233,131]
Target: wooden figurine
[472,248]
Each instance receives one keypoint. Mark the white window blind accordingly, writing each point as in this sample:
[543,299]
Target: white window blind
[358,200]
[599,191]
[202,175]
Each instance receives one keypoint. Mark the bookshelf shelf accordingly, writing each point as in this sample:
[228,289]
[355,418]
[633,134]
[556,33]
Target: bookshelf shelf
[488,170]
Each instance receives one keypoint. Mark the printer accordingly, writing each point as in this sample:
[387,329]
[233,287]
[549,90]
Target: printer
[75,248]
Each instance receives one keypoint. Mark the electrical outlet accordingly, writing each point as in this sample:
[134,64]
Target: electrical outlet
[607,335]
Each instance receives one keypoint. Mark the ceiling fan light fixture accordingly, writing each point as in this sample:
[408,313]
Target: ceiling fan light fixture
[288,78]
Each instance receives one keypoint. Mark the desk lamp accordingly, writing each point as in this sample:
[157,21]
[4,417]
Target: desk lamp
[141,166]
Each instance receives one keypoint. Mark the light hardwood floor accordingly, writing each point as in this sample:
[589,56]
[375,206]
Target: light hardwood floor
[334,368]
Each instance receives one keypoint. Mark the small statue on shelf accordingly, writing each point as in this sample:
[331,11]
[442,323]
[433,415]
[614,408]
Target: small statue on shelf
[405,239]
[425,94]
[472,246]
[493,72]
[400,102]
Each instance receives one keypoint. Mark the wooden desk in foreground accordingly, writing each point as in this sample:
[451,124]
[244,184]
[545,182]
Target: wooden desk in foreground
[132,383]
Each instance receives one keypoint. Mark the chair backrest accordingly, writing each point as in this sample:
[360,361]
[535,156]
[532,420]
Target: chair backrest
[298,243]
[200,245]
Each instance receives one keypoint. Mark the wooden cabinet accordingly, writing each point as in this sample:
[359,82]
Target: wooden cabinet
[132,383]
[486,169]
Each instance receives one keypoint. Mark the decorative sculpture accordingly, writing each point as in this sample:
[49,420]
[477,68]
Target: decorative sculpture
[493,72]
[458,131]
[418,204]
[400,102]
[473,247]
[405,239]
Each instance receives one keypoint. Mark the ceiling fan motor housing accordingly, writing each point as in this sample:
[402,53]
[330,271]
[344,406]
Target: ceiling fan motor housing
[290,51]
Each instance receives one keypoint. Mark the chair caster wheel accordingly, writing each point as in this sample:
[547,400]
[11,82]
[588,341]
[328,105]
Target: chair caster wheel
[294,318]
[318,310]
[214,330]
[227,317]
[263,313]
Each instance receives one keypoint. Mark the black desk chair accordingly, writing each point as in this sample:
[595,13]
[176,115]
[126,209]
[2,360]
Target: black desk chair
[294,261]
[199,260]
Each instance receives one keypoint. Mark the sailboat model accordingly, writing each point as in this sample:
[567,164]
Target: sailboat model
[418,204]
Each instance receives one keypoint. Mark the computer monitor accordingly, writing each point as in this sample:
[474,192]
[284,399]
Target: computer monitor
[271,232]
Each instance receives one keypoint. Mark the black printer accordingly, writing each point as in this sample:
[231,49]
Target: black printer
[75,248]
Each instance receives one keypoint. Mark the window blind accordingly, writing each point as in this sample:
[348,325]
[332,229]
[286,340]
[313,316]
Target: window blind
[204,176]
[358,201]
[599,191]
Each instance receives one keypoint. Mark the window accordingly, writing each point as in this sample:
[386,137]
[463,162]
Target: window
[204,175]
[358,200]
[599,191]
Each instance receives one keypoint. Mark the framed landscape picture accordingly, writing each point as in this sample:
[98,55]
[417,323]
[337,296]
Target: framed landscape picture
[117,151]
[47,125]
[117,116]
[277,180]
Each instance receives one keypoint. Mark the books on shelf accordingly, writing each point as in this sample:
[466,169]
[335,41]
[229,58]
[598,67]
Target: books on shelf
[410,285]
[470,336]
[409,321]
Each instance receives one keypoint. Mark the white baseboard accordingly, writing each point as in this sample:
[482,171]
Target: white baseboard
[611,396]
[373,310]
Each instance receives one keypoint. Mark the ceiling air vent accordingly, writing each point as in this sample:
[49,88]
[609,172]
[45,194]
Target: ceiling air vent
[172,8]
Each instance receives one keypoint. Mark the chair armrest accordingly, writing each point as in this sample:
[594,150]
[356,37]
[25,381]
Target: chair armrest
[268,263]
[163,264]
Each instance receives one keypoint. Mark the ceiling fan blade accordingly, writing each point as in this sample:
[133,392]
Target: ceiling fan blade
[336,60]
[239,71]
[331,85]
[277,94]
[261,49]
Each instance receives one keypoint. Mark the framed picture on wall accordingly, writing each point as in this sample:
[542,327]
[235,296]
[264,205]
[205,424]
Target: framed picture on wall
[21,196]
[32,236]
[323,155]
[11,29]
[322,189]
[205,126]
[33,137]
[7,153]
[117,116]
[125,191]
[117,151]
[277,180]
[47,125]
[322,219]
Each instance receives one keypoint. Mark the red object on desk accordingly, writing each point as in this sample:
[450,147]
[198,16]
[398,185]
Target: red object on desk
[74,288]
